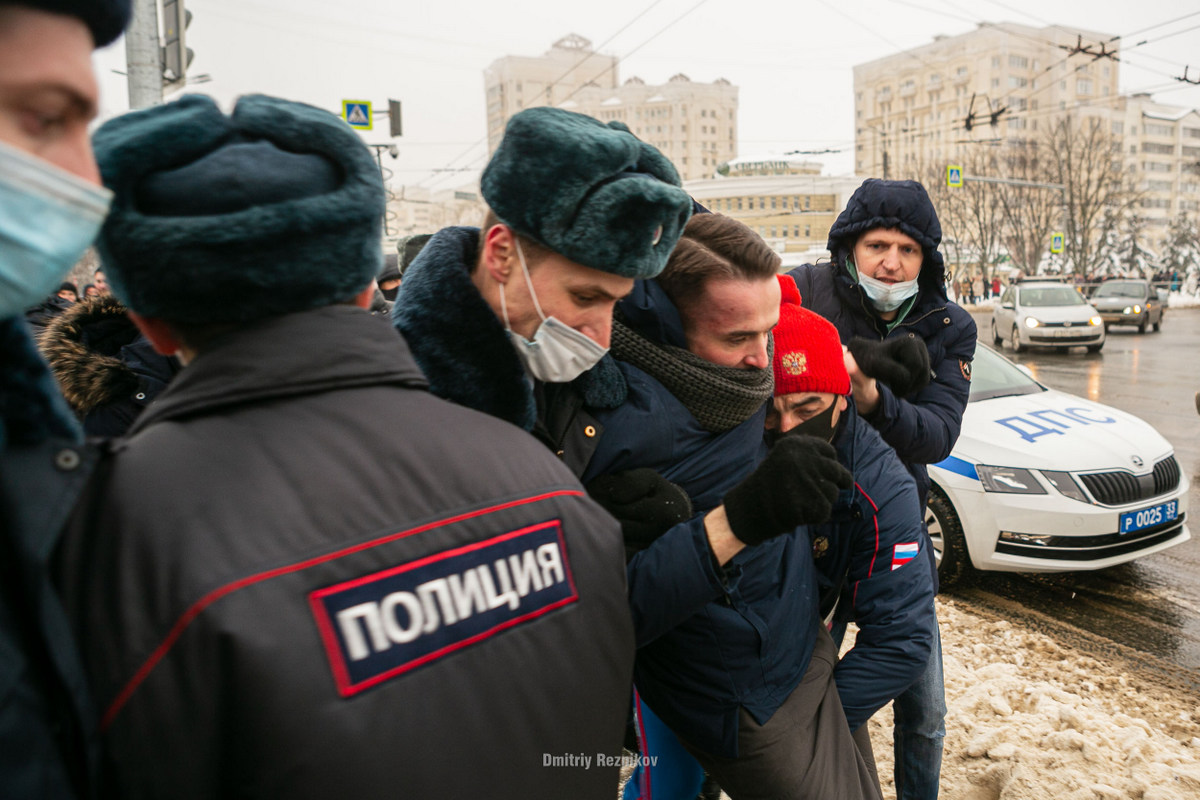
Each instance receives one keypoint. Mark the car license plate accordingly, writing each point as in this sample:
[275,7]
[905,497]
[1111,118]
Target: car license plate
[1149,517]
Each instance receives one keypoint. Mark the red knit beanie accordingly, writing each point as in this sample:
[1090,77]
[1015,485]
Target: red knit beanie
[808,352]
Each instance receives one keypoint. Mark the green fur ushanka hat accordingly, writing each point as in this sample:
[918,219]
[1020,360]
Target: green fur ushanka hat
[275,208]
[591,192]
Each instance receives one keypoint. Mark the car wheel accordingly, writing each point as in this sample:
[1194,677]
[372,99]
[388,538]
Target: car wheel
[1158,325]
[997,339]
[1015,340]
[949,545]
[1142,326]
[1095,348]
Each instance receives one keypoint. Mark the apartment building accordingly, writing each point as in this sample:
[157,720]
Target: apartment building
[1015,82]
[1162,144]
[910,108]
[516,82]
[693,124]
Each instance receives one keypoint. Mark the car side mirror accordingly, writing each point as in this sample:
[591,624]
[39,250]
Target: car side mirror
[1025,368]
[1006,305]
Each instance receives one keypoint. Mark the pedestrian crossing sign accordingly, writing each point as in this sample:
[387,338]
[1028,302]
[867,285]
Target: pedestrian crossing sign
[357,114]
[954,176]
[1056,243]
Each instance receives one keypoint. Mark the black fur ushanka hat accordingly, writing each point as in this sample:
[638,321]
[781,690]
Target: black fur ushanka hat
[106,19]
[276,208]
[592,192]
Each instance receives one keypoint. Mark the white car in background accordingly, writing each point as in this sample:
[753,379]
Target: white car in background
[1045,481]
[1046,314]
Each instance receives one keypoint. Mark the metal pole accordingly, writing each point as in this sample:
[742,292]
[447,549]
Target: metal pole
[142,56]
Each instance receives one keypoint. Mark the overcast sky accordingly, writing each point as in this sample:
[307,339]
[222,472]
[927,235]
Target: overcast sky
[791,60]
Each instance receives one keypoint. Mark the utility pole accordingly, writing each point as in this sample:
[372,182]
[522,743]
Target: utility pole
[143,57]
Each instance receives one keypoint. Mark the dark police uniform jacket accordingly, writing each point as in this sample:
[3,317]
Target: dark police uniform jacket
[302,575]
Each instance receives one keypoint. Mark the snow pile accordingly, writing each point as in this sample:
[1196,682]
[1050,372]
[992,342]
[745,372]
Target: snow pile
[1028,719]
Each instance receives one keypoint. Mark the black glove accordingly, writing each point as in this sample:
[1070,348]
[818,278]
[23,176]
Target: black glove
[646,504]
[796,484]
[902,363]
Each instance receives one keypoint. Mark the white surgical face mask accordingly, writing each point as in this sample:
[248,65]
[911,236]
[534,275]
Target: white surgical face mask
[887,296]
[558,352]
[48,217]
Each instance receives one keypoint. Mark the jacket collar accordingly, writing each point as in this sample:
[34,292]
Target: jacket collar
[457,340]
[31,408]
[295,354]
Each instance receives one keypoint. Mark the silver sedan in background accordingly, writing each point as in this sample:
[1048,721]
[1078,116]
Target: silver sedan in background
[1046,314]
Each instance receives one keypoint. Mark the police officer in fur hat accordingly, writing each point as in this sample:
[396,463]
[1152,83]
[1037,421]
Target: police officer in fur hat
[50,209]
[277,597]
[505,317]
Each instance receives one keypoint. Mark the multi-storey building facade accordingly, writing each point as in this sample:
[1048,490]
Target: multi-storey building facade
[910,109]
[516,82]
[693,124]
[1014,83]
[1161,144]
[786,201]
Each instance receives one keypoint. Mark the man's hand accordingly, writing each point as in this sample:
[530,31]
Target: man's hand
[902,363]
[646,504]
[796,484]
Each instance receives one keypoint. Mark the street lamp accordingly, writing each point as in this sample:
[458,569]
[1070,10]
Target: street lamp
[393,151]
[883,136]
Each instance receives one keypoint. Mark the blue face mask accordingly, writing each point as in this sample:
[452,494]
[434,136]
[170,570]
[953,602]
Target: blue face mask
[48,217]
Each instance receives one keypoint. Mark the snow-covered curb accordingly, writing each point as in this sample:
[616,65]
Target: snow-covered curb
[1029,718]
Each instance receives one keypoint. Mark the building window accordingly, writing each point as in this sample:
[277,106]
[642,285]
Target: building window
[995,83]
[1159,130]
[807,203]
[995,62]
[773,202]
[1018,62]
[1016,81]
[1158,149]
[1118,128]
[807,231]
[739,208]
[1083,86]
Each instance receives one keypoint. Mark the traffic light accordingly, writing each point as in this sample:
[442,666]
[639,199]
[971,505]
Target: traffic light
[176,55]
[394,117]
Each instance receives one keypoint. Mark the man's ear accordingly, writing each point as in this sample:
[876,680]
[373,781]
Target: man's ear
[499,252]
[158,332]
[363,299]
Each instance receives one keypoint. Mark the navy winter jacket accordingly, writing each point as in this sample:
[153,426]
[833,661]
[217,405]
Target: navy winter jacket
[711,640]
[872,547]
[922,428]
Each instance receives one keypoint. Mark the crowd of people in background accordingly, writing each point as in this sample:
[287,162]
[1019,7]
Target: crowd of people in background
[595,484]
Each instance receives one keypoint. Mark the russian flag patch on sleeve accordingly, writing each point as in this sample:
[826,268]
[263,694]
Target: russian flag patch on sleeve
[903,553]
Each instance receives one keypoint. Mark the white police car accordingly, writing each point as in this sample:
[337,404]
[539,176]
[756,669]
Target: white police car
[1044,481]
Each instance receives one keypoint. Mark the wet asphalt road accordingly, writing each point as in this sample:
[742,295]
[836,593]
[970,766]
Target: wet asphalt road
[1146,611]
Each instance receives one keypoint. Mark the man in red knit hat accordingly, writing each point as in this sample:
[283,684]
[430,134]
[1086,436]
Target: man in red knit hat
[871,542]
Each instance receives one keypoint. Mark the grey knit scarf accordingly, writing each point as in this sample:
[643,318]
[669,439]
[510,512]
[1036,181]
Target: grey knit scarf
[720,398]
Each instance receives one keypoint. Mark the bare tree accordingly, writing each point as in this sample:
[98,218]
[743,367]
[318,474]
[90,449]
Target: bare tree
[1030,213]
[1086,160]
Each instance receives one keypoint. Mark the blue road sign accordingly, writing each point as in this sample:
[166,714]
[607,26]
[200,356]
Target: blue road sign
[954,176]
[1056,243]
[357,114]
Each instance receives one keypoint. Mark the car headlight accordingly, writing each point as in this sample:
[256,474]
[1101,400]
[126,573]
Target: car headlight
[1031,322]
[1137,309]
[1010,480]
[1065,484]
[1127,310]
[1095,321]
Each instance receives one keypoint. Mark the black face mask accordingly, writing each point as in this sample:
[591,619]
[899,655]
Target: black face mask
[390,294]
[821,426]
